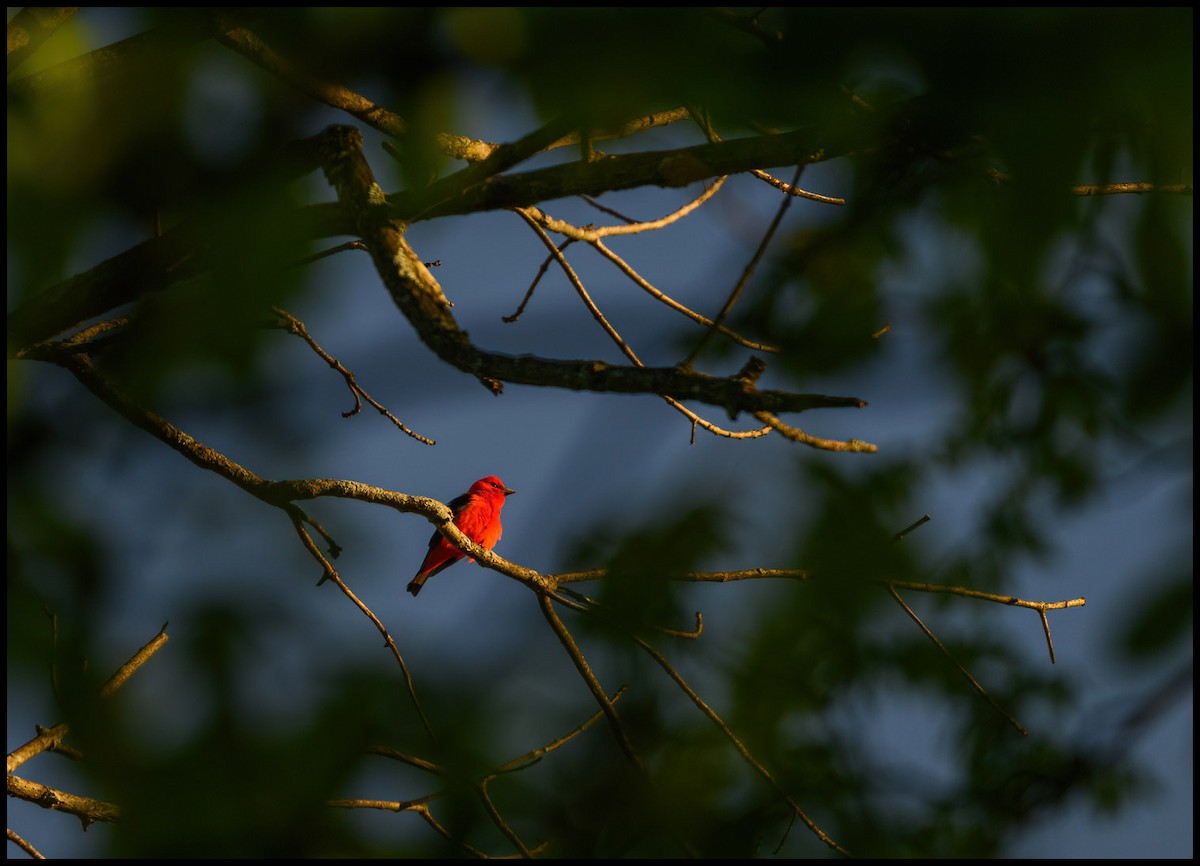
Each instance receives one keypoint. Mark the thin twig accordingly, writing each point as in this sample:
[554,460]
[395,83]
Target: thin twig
[903,533]
[971,679]
[537,278]
[330,573]
[747,273]
[584,604]
[585,671]
[737,744]
[659,295]
[702,120]
[629,228]
[509,833]
[24,845]
[130,667]
[794,433]
[294,326]
[616,337]
[793,190]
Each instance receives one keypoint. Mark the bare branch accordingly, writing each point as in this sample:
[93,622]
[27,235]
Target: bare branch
[1132,188]
[744,280]
[966,673]
[331,573]
[667,168]
[556,253]
[585,671]
[24,845]
[292,325]
[797,435]
[737,744]
[421,300]
[47,740]
[591,234]
[85,809]
[643,283]
[130,667]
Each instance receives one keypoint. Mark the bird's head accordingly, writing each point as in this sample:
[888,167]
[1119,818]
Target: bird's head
[491,486]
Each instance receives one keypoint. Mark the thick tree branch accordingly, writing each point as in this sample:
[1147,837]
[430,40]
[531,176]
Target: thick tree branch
[184,251]
[669,168]
[420,298]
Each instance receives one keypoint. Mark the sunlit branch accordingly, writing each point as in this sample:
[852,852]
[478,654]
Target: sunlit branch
[702,120]
[697,421]
[791,189]
[665,168]
[590,234]
[417,805]
[424,304]
[1132,188]
[794,433]
[186,250]
[50,739]
[1046,629]
[130,667]
[332,251]
[476,174]
[25,846]
[1040,606]
[988,596]
[557,580]
[561,578]
[577,283]
[85,809]
[626,128]
[47,740]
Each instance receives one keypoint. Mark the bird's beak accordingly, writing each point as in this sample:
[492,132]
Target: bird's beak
[508,491]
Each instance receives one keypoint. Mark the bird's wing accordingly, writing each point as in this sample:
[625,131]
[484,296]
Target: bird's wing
[456,505]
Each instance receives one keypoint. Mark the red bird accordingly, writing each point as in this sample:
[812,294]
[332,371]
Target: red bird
[477,514]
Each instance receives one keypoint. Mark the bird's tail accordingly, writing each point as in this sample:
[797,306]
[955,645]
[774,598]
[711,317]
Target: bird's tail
[414,585]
